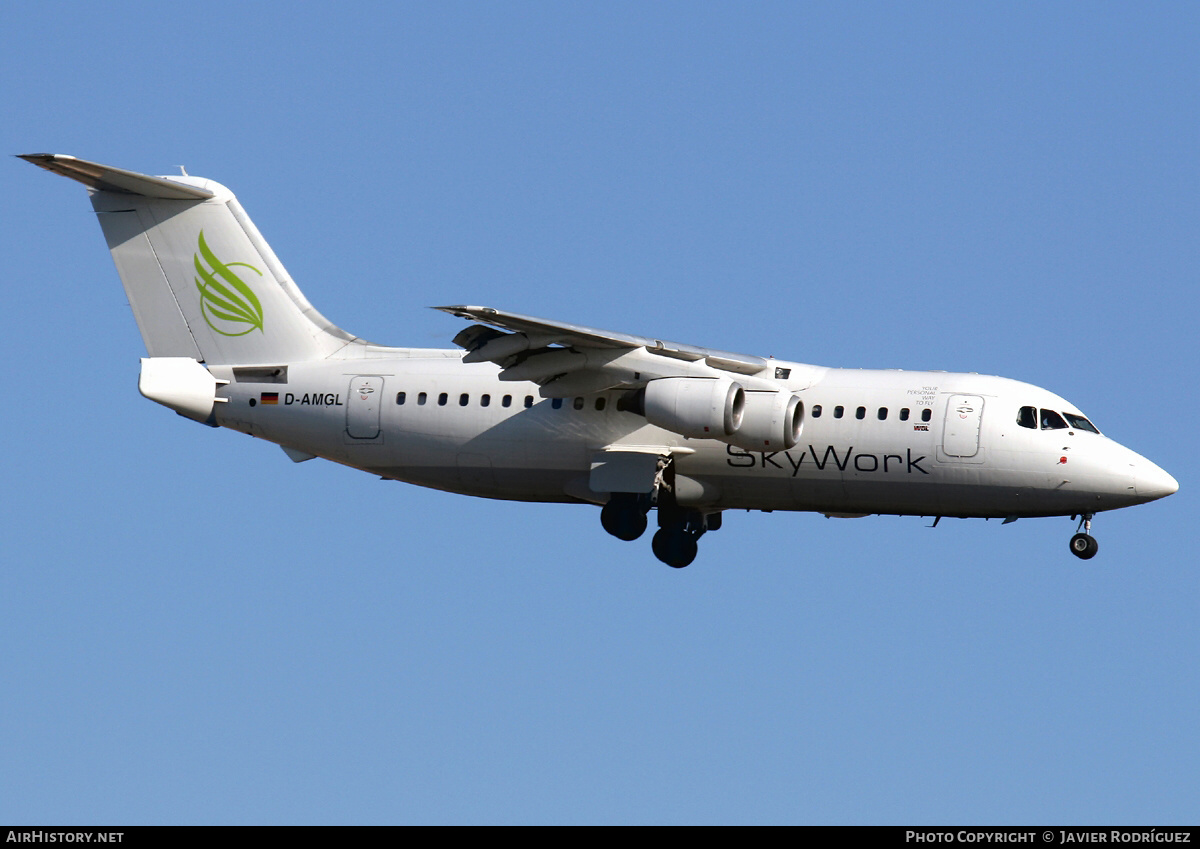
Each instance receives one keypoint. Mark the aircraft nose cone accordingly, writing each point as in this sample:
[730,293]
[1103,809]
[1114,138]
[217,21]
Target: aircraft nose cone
[1151,482]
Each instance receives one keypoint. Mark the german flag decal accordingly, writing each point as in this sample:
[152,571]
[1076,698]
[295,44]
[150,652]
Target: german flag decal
[269,398]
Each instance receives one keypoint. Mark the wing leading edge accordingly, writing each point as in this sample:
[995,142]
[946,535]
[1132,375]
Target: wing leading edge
[568,359]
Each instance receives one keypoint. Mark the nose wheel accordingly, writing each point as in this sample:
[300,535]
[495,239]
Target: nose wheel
[1083,544]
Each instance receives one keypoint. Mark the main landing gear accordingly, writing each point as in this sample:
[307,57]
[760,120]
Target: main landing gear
[624,516]
[1083,544]
[675,541]
[679,528]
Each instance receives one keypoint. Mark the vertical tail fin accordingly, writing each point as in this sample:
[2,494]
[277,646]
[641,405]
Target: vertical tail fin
[202,281]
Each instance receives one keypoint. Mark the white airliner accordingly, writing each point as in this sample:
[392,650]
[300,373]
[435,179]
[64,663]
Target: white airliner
[537,410]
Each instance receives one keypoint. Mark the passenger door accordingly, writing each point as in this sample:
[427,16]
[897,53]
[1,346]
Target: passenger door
[961,427]
[362,407]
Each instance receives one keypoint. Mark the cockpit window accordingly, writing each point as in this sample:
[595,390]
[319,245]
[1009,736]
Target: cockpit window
[1080,423]
[1027,417]
[1052,421]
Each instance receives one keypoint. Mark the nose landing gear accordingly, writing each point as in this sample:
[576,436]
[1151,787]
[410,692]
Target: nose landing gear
[1083,544]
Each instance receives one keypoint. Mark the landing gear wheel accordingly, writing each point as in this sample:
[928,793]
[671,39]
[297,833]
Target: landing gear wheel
[1084,546]
[623,520]
[675,547]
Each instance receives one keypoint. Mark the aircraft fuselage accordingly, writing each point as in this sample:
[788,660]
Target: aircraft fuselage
[897,442]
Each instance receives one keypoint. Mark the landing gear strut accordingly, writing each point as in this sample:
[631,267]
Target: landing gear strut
[1083,544]
[679,528]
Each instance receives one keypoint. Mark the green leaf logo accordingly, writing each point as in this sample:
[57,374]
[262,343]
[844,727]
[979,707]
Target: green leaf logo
[229,305]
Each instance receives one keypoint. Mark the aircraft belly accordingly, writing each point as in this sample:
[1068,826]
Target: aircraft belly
[490,465]
[539,485]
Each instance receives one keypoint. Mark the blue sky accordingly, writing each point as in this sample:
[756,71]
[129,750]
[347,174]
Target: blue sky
[195,630]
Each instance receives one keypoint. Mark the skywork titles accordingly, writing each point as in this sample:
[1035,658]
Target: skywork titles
[830,457]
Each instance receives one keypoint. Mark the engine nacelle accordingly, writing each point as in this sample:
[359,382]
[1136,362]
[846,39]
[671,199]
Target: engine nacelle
[704,407]
[771,421]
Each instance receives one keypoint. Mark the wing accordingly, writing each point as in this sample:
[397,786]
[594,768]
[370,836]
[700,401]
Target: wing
[570,359]
[695,392]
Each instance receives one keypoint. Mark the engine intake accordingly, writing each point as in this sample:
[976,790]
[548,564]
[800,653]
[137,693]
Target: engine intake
[771,421]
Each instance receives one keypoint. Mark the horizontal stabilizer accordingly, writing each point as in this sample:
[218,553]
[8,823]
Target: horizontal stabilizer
[105,178]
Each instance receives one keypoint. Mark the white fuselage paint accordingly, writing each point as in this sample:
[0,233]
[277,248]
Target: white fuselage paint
[970,458]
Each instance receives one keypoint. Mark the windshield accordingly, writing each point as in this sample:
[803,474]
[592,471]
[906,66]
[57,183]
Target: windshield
[1052,421]
[1080,423]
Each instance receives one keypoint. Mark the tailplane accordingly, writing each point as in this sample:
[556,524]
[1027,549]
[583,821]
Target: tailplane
[202,281]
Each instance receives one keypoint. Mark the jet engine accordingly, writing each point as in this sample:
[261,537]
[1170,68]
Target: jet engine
[771,421]
[704,407]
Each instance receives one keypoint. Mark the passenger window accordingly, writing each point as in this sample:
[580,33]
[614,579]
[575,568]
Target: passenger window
[463,399]
[1027,417]
[506,401]
[578,403]
[528,401]
[926,414]
[1080,423]
[816,411]
[1052,421]
[421,399]
[600,403]
[860,413]
[400,397]
[904,414]
[883,414]
[484,400]
[442,399]
[556,403]
[838,411]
